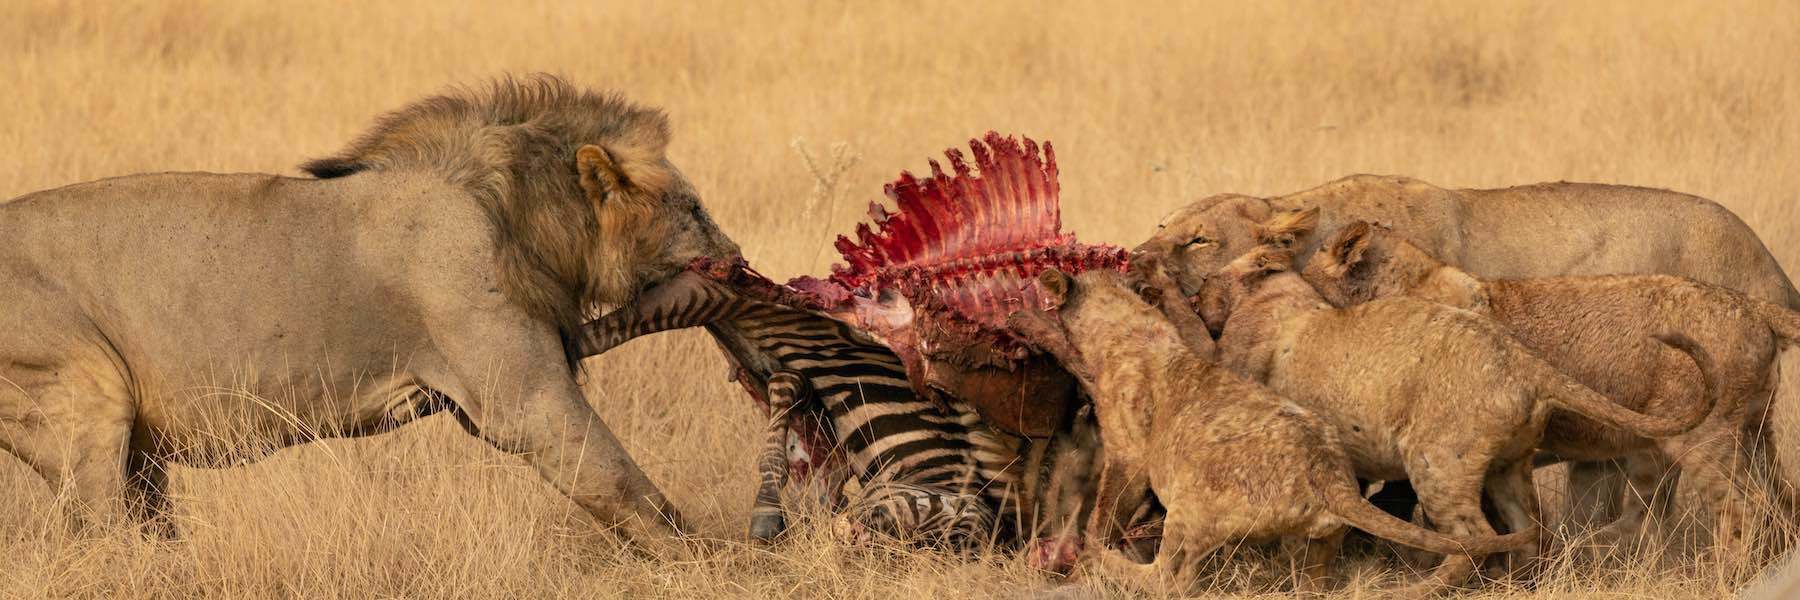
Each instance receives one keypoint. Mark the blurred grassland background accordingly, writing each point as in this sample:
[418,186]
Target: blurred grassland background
[789,117]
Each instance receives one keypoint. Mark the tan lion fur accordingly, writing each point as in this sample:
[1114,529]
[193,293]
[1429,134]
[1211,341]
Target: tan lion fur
[1526,231]
[511,146]
[1596,329]
[1419,391]
[1228,458]
[1540,230]
[437,265]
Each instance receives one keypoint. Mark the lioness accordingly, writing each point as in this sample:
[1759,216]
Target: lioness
[1542,230]
[1419,391]
[1230,459]
[1527,231]
[436,264]
[1596,329]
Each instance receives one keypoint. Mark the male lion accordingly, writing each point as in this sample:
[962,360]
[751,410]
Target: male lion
[437,264]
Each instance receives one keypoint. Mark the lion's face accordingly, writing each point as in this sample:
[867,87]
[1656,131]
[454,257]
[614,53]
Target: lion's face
[1200,238]
[648,233]
[1236,280]
[677,231]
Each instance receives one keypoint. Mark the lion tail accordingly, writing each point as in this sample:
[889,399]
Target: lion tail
[1782,321]
[1342,499]
[1572,395]
[1785,324]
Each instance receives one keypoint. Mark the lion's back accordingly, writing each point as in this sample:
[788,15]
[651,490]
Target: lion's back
[1394,356]
[1559,228]
[1567,228]
[178,268]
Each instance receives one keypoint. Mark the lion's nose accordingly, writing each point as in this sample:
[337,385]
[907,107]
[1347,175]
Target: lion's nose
[1152,246]
[1138,253]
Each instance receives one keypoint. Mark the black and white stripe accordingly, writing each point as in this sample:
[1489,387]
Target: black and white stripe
[920,515]
[893,441]
[767,520]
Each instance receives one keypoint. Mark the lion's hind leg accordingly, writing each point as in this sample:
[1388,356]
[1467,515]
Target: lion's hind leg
[78,437]
[1650,490]
[1714,472]
[1515,498]
[1185,546]
[147,495]
[1318,556]
[1449,482]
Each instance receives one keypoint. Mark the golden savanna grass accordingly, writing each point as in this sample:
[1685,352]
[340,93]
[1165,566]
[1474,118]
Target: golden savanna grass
[1150,105]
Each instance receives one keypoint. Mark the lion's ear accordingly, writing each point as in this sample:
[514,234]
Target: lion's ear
[1054,287]
[1146,267]
[1351,244]
[621,174]
[1307,221]
[1145,275]
[1286,227]
[1274,261]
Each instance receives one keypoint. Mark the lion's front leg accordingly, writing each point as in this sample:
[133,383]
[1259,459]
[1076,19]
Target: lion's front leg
[510,380]
[1121,489]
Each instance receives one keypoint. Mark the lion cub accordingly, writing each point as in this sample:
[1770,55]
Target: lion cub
[1419,391]
[1229,459]
[1596,329]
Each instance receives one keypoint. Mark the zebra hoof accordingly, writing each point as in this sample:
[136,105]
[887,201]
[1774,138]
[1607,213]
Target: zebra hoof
[765,528]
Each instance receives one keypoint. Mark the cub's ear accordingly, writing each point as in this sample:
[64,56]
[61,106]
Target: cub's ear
[1054,288]
[1146,269]
[1143,263]
[1146,278]
[1348,247]
[1273,261]
[1286,227]
[634,176]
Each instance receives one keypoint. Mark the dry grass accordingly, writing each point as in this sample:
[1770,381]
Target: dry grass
[1149,106]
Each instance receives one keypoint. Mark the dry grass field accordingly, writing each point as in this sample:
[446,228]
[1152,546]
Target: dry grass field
[1149,106]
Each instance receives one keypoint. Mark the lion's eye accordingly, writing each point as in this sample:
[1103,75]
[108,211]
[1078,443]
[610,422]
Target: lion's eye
[1200,240]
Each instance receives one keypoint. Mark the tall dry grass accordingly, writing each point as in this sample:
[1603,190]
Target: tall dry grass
[1150,105]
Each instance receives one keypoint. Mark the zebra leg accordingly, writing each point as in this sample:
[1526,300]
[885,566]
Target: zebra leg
[923,515]
[766,518]
[1064,500]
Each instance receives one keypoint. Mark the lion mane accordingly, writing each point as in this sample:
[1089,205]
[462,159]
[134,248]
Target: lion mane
[565,242]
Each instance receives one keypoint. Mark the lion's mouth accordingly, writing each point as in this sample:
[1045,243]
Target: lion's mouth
[701,264]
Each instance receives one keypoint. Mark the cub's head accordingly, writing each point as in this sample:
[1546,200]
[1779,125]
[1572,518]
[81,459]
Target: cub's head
[1364,261]
[1083,309]
[1238,280]
[1344,269]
